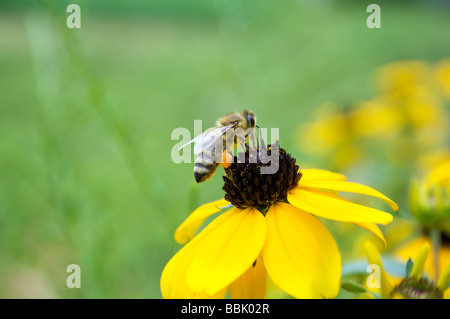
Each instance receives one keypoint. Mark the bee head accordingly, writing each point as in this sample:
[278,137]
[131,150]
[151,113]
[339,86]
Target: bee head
[250,117]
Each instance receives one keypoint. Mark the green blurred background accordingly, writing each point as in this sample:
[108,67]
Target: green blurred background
[86,117]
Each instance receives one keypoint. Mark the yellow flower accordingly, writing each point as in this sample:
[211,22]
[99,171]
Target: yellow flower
[413,247]
[407,114]
[329,132]
[416,285]
[439,175]
[442,77]
[330,136]
[376,118]
[402,77]
[430,198]
[271,230]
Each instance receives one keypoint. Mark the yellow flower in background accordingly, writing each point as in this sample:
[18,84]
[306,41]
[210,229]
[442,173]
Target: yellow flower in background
[330,136]
[414,286]
[331,131]
[401,78]
[408,87]
[413,248]
[441,76]
[406,117]
[426,162]
[421,109]
[430,205]
[271,230]
[439,175]
[376,118]
[430,198]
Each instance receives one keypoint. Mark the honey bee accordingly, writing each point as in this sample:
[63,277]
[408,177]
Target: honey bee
[205,144]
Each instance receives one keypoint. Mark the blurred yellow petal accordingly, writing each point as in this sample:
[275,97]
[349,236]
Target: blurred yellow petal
[300,255]
[412,249]
[374,258]
[444,279]
[343,186]
[402,77]
[419,262]
[225,249]
[252,284]
[374,229]
[447,294]
[439,175]
[324,134]
[314,174]
[186,231]
[333,207]
[385,120]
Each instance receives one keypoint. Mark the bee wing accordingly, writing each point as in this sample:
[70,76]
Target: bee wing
[208,140]
[197,139]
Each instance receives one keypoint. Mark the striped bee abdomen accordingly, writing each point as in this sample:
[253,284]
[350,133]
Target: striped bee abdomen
[205,166]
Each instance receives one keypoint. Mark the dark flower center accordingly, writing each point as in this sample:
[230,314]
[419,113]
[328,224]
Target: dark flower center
[413,288]
[246,186]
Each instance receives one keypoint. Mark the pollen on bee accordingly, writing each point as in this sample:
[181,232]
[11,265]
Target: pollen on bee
[227,159]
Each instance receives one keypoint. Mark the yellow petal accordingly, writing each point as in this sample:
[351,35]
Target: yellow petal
[173,279]
[419,262]
[300,255]
[225,249]
[444,279]
[314,174]
[439,175]
[447,294]
[374,229]
[228,228]
[412,249]
[186,231]
[252,284]
[374,258]
[333,207]
[343,186]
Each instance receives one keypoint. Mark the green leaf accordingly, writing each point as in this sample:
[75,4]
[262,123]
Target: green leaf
[409,266]
[353,287]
